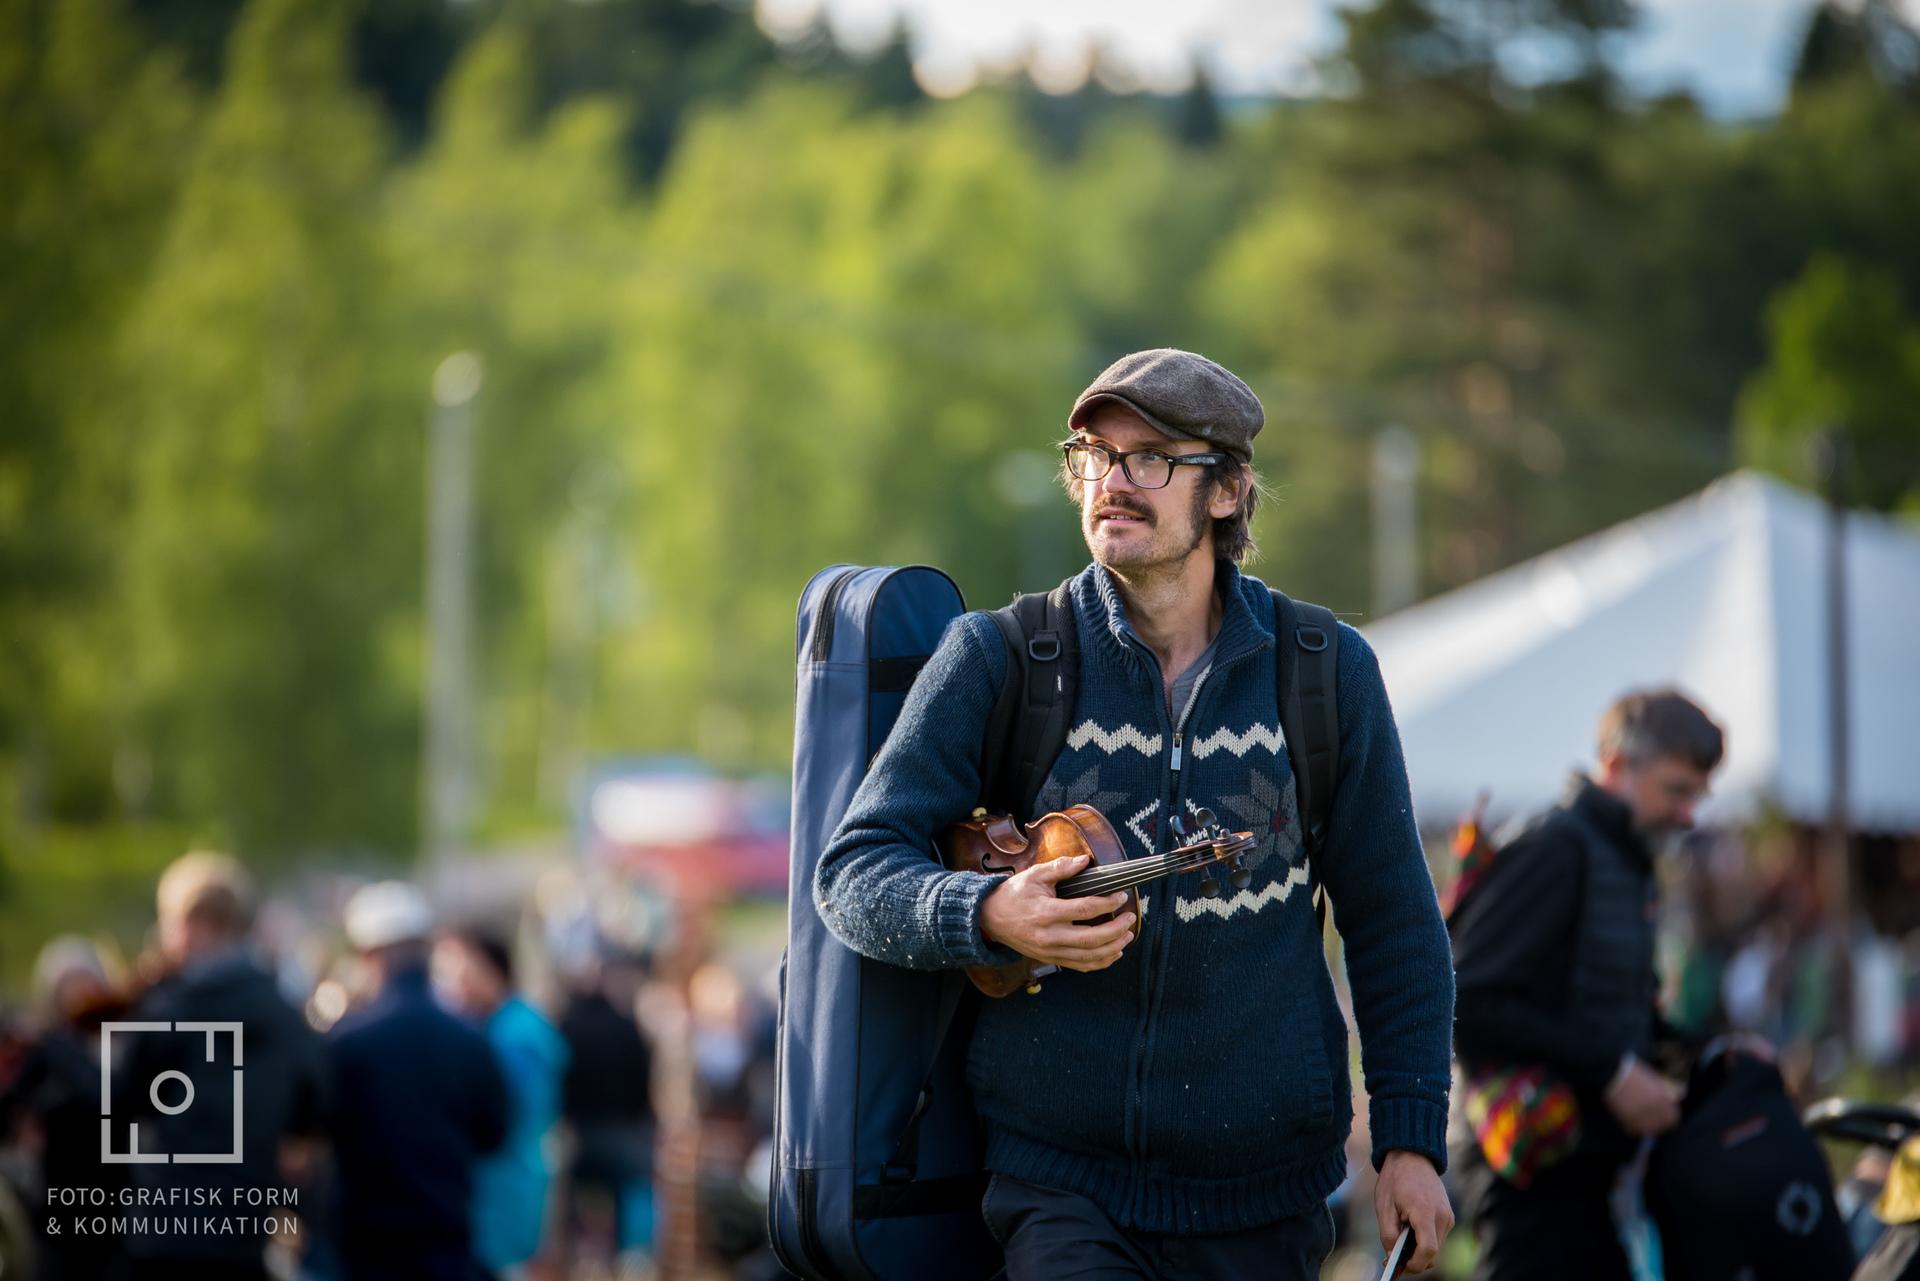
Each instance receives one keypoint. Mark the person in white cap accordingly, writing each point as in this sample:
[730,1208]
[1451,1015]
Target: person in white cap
[420,1100]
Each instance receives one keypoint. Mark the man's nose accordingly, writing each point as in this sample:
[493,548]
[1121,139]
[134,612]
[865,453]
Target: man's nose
[1116,482]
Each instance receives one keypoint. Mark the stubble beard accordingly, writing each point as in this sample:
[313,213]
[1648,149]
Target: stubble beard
[1154,551]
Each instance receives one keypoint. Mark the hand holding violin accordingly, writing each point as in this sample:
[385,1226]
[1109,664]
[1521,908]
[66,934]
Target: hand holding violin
[1025,914]
[1069,899]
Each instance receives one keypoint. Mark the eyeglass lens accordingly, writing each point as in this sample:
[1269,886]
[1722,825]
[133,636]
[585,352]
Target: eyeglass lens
[1148,469]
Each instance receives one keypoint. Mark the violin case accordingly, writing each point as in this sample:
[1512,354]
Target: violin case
[876,1173]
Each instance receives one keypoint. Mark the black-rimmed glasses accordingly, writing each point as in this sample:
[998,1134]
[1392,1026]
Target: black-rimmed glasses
[1147,468]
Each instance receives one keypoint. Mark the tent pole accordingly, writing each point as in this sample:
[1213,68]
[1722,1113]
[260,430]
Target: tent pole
[1837,852]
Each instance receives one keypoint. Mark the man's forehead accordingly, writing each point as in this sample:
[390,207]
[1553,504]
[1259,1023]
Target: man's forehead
[1116,424]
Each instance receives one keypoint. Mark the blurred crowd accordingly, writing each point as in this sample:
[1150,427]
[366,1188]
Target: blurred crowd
[1748,944]
[410,1093]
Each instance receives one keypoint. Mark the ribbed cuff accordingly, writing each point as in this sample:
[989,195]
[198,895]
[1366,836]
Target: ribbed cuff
[1414,1125]
[956,908]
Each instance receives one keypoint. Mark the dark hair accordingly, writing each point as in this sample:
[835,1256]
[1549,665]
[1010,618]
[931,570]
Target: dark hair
[1232,535]
[491,946]
[1644,725]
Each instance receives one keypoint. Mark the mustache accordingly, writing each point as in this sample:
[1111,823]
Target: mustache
[1112,508]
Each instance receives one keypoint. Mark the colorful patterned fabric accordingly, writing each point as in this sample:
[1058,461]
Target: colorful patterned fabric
[1473,856]
[1524,1120]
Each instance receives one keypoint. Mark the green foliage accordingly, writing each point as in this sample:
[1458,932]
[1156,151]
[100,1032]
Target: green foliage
[271,528]
[800,386]
[1845,356]
[96,880]
[832,321]
[91,137]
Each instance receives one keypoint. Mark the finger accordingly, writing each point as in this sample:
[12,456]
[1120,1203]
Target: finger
[1087,938]
[1098,961]
[1426,1235]
[1071,911]
[1053,871]
[1080,909]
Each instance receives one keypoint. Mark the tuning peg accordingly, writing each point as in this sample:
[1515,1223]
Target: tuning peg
[1179,827]
[1209,886]
[1204,817]
[1240,877]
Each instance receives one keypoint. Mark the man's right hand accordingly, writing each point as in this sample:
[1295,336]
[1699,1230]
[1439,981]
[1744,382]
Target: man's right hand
[1643,1101]
[1025,914]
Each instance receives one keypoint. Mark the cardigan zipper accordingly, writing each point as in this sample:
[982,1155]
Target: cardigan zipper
[1175,803]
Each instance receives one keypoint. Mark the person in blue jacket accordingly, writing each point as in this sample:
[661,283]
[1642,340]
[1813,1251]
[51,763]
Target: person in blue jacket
[473,971]
[419,1099]
[1176,1105]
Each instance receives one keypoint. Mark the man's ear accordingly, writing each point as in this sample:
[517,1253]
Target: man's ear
[1229,487]
[1612,766]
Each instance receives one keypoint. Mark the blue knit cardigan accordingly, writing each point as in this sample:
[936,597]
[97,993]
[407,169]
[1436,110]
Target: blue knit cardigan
[1201,1083]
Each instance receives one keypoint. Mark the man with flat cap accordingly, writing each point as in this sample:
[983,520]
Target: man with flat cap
[1174,1105]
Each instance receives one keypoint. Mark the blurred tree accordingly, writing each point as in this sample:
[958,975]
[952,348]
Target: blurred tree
[1400,45]
[1198,122]
[845,324]
[1451,249]
[511,228]
[1134,184]
[1845,353]
[839,322]
[272,540]
[401,52]
[196,29]
[661,56]
[885,77]
[1868,39]
[94,129]
[401,49]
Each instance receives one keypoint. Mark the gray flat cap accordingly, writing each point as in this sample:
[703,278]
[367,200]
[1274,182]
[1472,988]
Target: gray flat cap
[1178,394]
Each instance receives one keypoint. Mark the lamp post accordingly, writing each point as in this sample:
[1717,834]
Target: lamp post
[446,761]
[1396,559]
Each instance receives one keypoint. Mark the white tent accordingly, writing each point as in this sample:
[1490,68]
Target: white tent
[1499,684]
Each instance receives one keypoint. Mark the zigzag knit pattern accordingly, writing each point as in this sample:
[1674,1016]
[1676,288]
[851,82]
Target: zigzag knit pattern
[1111,741]
[1224,739]
[1275,891]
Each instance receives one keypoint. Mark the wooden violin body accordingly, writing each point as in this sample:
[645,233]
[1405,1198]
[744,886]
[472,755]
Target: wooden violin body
[995,844]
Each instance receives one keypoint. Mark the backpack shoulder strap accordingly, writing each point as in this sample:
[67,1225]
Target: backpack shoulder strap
[1306,657]
[1028,725]
[1025,731]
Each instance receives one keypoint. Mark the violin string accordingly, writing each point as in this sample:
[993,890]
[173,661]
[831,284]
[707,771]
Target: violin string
[1137,871]
[1130,879]
[1133,872]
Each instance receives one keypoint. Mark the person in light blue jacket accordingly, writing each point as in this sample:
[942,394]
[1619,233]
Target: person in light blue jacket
[473,971]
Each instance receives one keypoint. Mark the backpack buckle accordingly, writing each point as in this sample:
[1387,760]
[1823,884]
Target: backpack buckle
[1311,638]
[1044,647]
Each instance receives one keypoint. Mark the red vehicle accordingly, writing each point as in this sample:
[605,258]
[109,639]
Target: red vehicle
[700,836]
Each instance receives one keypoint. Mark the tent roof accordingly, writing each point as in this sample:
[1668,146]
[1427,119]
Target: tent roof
[1499,685]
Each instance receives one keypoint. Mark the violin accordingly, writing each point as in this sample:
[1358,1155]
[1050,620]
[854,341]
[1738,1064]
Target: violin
[996,843]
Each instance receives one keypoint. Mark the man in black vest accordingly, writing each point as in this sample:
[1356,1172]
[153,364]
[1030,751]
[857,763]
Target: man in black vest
[1553,955]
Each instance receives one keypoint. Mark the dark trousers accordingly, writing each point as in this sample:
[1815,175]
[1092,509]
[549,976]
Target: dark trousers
[1559,1226]
[197,1270]
[1051,1235]
[397,1259]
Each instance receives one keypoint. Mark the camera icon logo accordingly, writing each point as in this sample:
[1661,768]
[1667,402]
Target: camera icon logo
[171,1092]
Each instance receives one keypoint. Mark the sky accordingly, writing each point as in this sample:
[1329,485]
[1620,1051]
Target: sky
[1735,55]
